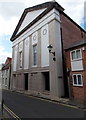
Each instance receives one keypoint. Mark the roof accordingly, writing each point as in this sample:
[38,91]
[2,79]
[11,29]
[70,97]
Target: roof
[8,60]
[76,44]
[7,63]
[49,6]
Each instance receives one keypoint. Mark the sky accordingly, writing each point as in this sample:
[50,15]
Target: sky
[11,11]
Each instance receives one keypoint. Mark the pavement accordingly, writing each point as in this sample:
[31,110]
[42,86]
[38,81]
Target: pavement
[5,115]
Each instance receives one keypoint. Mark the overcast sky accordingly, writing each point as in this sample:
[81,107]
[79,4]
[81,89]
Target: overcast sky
[10,13]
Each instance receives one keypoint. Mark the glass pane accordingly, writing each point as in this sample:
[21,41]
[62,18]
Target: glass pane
[78,54]
[35,49]
[79,80]
[35,55]
[3,81]
[73,55]
[20,59]
[6,81]
[74,79]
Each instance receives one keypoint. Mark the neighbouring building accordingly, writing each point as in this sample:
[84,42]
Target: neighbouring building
[38,49]
[1,65]
[6,74]
[76,64]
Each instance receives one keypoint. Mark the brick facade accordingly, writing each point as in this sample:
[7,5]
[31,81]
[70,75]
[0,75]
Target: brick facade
[71,32]
[77,92]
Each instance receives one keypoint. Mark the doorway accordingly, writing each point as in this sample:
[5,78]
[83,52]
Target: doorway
[46,81]
[26,81]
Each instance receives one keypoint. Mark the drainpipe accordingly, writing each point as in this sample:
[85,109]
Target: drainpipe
[85,50]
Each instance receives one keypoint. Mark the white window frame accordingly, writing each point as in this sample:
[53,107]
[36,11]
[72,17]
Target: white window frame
[77,80]
[33,56]
[75,55]
[5,81]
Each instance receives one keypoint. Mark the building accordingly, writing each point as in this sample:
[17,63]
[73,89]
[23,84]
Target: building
[39,41]
[76,64]
[6,74]
[1,65]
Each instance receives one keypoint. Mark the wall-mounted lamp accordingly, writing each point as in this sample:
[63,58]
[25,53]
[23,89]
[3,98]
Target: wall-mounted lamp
[50,51]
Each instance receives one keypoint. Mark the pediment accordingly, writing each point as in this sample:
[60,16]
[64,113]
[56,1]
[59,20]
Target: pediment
[30,16]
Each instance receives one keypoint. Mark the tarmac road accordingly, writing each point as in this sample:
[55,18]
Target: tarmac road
[31,107]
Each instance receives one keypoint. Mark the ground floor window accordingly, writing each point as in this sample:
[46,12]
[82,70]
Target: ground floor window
[77,80]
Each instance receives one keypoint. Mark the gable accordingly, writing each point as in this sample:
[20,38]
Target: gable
[30,16]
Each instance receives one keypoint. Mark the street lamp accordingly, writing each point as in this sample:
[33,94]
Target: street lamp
[50,51]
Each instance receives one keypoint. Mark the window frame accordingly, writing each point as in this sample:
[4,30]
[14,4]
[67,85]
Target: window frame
[6,81]
[77,80]
[20,59]
[33,65]
[76,59]
[3,81]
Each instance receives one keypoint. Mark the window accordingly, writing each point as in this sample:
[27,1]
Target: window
[77,80]
[3,81]
[34,55]
[73,55]
[76,54]
[6,81]
[21,59]
[6,72]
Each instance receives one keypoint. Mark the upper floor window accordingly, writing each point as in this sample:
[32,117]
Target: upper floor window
[35,54]
[76,54]
[77,80]
[6,81]
[3,81]
[20,54]
[6,72]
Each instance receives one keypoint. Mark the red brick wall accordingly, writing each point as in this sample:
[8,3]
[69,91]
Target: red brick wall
[77,92]
[84,64]
[70,32]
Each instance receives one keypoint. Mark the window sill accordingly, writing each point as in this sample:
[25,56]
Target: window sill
[34,66]
[77,85]
[76,60]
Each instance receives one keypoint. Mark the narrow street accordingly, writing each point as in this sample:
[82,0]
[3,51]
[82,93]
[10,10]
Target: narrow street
[30,107]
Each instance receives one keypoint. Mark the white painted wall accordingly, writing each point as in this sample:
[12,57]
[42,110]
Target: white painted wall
[6,77]
[76,65]
[15,58]
[30,17]
[20,46]
[26,53]
[58,84]
[53,14]
[44,45]
[34,38]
